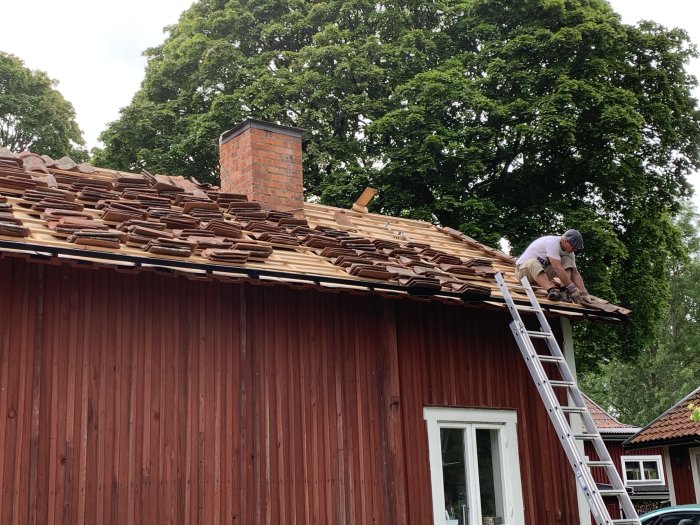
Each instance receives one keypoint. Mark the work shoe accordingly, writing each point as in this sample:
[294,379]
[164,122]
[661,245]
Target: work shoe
[554,294]
[565,297]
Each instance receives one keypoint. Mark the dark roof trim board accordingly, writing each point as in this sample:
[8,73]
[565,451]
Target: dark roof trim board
[661,443]
[111,259]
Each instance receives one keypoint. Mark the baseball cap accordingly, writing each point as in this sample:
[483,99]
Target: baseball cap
[574,238]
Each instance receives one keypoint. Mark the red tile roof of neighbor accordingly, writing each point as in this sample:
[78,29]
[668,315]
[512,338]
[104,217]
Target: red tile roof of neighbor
[604,422]
[672,427]
[58,209]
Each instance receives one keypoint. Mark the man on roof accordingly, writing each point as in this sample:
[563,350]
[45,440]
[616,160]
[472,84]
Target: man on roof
[553,256]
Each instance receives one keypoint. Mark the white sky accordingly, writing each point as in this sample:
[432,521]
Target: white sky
[93,48]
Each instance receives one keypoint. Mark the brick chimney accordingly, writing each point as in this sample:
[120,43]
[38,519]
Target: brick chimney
[263,161]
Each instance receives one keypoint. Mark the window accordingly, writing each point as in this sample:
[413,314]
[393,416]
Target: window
[642,470]
[474,466]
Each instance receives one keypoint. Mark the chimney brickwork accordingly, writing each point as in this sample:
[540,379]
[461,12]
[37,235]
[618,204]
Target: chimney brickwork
[263,161]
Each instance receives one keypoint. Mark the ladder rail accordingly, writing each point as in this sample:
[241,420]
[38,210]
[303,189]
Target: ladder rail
[574,392]
[558,414]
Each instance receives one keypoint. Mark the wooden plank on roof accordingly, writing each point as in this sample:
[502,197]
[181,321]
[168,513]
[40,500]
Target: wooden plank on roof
[344,286]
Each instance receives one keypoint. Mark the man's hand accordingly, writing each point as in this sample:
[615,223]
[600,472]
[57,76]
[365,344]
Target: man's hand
[574,293]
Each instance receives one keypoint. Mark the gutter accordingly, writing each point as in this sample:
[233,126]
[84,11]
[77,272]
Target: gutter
[688,440]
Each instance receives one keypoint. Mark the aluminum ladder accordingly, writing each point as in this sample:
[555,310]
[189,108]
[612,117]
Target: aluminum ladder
[538,363]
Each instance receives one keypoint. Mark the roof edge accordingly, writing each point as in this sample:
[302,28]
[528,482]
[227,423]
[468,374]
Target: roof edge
[688,440]
[42,252]
[663,414]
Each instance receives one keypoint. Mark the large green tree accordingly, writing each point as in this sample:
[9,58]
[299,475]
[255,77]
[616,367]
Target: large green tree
[503,118]
[33,114]
[642,388]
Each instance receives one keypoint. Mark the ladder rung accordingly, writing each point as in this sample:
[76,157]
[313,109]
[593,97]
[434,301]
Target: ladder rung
[612,492]
[587,437]
[574,410]
[540,335]
[600,463]
[562,383]
[550,359]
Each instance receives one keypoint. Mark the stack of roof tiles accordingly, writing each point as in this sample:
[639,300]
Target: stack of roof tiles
[64,204]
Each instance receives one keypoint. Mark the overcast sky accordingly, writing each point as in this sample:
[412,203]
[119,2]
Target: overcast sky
[94,48]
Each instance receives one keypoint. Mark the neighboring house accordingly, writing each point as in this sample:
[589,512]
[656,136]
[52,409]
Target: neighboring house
[679,438]
[172,352]
[642,470]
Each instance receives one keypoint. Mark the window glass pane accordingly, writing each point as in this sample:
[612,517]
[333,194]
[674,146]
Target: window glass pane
[633,471]
[453,475]
[490,483]
[651,470]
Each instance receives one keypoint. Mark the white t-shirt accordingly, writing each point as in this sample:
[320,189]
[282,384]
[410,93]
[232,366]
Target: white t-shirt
[544,248]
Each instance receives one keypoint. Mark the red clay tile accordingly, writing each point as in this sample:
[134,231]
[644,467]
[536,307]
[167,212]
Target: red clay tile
[105,239]
[13,230]
[13,182]
[228,256]
[257,251]
[224,228]
[6,216]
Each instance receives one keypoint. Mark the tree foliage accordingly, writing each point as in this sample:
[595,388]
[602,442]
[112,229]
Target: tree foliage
[642,388]
[34,115]
[502,118]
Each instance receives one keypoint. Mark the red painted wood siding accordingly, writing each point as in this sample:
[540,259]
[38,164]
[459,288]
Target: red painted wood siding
[683,484]
[142,398]
[462,358]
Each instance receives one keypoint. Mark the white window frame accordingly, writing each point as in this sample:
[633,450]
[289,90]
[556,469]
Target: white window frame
[638,459]
[503,420]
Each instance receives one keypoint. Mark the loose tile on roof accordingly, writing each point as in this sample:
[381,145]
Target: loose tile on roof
[109,217]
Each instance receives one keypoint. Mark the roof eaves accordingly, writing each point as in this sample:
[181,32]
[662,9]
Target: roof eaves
[85,256]
[688,440]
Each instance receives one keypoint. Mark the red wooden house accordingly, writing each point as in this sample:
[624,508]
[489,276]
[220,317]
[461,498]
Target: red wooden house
[172,352]
[679,438]
[641,470]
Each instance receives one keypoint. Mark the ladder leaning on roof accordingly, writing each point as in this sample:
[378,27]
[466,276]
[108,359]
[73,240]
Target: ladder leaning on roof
[537,363]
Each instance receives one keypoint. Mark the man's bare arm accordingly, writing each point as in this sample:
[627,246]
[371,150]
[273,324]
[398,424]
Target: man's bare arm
[564,278]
